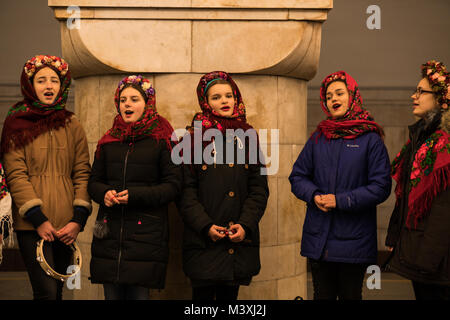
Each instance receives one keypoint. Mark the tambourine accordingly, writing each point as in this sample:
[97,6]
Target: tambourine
[52,273]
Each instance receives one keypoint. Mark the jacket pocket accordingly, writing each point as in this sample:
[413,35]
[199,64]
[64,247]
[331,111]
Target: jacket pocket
[313,221]
[147,229]
[349,226]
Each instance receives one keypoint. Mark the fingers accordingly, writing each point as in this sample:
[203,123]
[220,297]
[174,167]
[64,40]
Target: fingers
[237,233]
[122,193]
[217,232]
[110,198]
[325,202]
[122,197]
[68,234]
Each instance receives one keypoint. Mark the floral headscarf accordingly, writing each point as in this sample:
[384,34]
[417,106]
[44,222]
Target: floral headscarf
[439,79]
[150,124]
[209,117]
[212,120]
[30,117]
[356,120]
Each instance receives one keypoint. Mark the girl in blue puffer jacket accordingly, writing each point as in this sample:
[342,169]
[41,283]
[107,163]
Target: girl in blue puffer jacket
[342,173]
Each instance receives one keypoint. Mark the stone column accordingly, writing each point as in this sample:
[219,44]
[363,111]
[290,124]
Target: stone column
[272,49]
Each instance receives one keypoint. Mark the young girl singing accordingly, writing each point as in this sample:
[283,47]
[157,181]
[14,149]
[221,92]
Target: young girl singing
[223,201]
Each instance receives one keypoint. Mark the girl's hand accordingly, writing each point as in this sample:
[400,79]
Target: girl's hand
[122,197]
[319,203]
[217,232]
[110,198]
[238,233]
[69,233]
[328,201]
[47,232]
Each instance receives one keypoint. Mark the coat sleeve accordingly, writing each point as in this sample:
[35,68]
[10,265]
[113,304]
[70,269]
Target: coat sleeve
[379,183]
[18,181]
[394,227]
[191,210]
[163,193]
[301,177]
[81,170]
[96,185]
[435,243]
[256,202]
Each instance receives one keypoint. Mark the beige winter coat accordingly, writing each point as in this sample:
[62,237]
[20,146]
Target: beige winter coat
[53,172]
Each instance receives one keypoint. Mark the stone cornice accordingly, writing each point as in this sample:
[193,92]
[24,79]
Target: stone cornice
[273,37]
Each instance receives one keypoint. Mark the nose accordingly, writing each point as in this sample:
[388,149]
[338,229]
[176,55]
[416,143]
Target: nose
[49,84]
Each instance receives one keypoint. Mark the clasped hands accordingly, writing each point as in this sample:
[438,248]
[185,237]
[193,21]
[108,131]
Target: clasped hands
[235,233]
[325,202]
[67,234]
[112,197]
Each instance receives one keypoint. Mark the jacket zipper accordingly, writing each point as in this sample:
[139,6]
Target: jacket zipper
[123,214]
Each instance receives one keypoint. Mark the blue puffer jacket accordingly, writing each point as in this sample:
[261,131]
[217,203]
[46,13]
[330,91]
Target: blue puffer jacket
[357,171]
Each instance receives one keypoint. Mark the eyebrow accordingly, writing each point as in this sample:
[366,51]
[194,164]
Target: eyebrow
[135,96]
[45,77]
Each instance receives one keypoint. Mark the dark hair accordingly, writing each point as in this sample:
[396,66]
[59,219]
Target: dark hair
[219,81]
[138,88]
[46,66]
[328,84]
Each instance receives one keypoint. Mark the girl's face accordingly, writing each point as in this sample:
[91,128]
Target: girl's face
[426,101]
[46,84]
[221,99]
[132,105]
[337,99]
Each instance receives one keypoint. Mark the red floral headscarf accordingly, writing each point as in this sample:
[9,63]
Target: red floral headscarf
[209,117]
[439,79]
[356,120]
[29,117]
[150,124]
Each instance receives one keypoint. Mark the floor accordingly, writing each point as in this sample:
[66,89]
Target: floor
[392,287]
[15,286]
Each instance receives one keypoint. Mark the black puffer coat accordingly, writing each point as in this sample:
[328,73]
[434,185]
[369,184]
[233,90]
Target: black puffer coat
[222,194]
[135,249]
[421,253]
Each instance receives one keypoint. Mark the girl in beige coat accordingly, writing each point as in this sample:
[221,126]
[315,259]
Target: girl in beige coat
[46,161]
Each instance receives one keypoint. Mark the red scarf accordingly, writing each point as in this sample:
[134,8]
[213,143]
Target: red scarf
[211,119]
[150,124]
[29,117]
[356,120]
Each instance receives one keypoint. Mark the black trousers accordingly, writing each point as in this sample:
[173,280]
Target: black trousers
[57,255]
[425,291]
[215,292]
[336,280]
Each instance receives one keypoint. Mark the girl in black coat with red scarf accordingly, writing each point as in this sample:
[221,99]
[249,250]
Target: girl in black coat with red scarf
[224,197]
[133,180]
